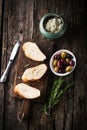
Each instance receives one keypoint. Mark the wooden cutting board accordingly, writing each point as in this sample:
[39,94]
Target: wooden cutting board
[24,63]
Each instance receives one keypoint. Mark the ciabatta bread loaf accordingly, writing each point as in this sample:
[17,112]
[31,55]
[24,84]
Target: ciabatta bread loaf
[26,91]
[34,73]
[33,52]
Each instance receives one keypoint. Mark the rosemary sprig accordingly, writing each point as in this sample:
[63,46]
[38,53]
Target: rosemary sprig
[58,90]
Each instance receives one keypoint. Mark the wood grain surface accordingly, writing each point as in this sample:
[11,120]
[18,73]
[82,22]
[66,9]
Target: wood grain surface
[71,112]
[1,86]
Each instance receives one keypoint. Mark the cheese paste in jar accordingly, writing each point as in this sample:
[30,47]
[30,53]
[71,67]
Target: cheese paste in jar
[54,25]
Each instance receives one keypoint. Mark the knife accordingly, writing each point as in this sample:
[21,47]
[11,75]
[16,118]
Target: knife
[11,59]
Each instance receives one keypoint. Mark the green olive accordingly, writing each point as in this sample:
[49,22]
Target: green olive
[56,69]
[67,60]
[69,68]
[54,63]
[63,55]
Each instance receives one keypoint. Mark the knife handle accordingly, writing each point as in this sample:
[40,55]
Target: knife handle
[4,76]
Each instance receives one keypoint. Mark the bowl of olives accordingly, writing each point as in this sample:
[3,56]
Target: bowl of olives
[62,62]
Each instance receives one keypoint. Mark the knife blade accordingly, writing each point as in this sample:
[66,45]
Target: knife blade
[11,59]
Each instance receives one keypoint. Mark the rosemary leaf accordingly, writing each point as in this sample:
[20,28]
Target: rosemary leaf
[57,91]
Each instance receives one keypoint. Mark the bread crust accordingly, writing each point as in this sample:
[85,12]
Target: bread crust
[32,51]
[26,91]
[34,73]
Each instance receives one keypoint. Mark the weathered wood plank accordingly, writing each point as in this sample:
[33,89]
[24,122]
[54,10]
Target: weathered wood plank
[63,116]
[79,38]
[1,86]
[0,15]
[18,16]
[80,90]
[80,84]
[72,108]
[40,8]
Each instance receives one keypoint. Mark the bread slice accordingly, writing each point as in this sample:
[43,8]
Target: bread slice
[26,91]
[33,52]
[34,73]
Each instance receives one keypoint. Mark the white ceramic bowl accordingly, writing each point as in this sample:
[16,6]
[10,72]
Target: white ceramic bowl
[58,53]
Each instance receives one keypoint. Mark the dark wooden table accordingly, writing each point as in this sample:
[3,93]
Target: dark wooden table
[71,112]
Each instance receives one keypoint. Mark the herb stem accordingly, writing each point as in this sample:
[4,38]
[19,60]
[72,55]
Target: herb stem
[58,90]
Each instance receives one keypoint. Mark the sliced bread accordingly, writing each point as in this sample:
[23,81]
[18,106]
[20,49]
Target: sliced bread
[33,52]
[34,73]
[26,91]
